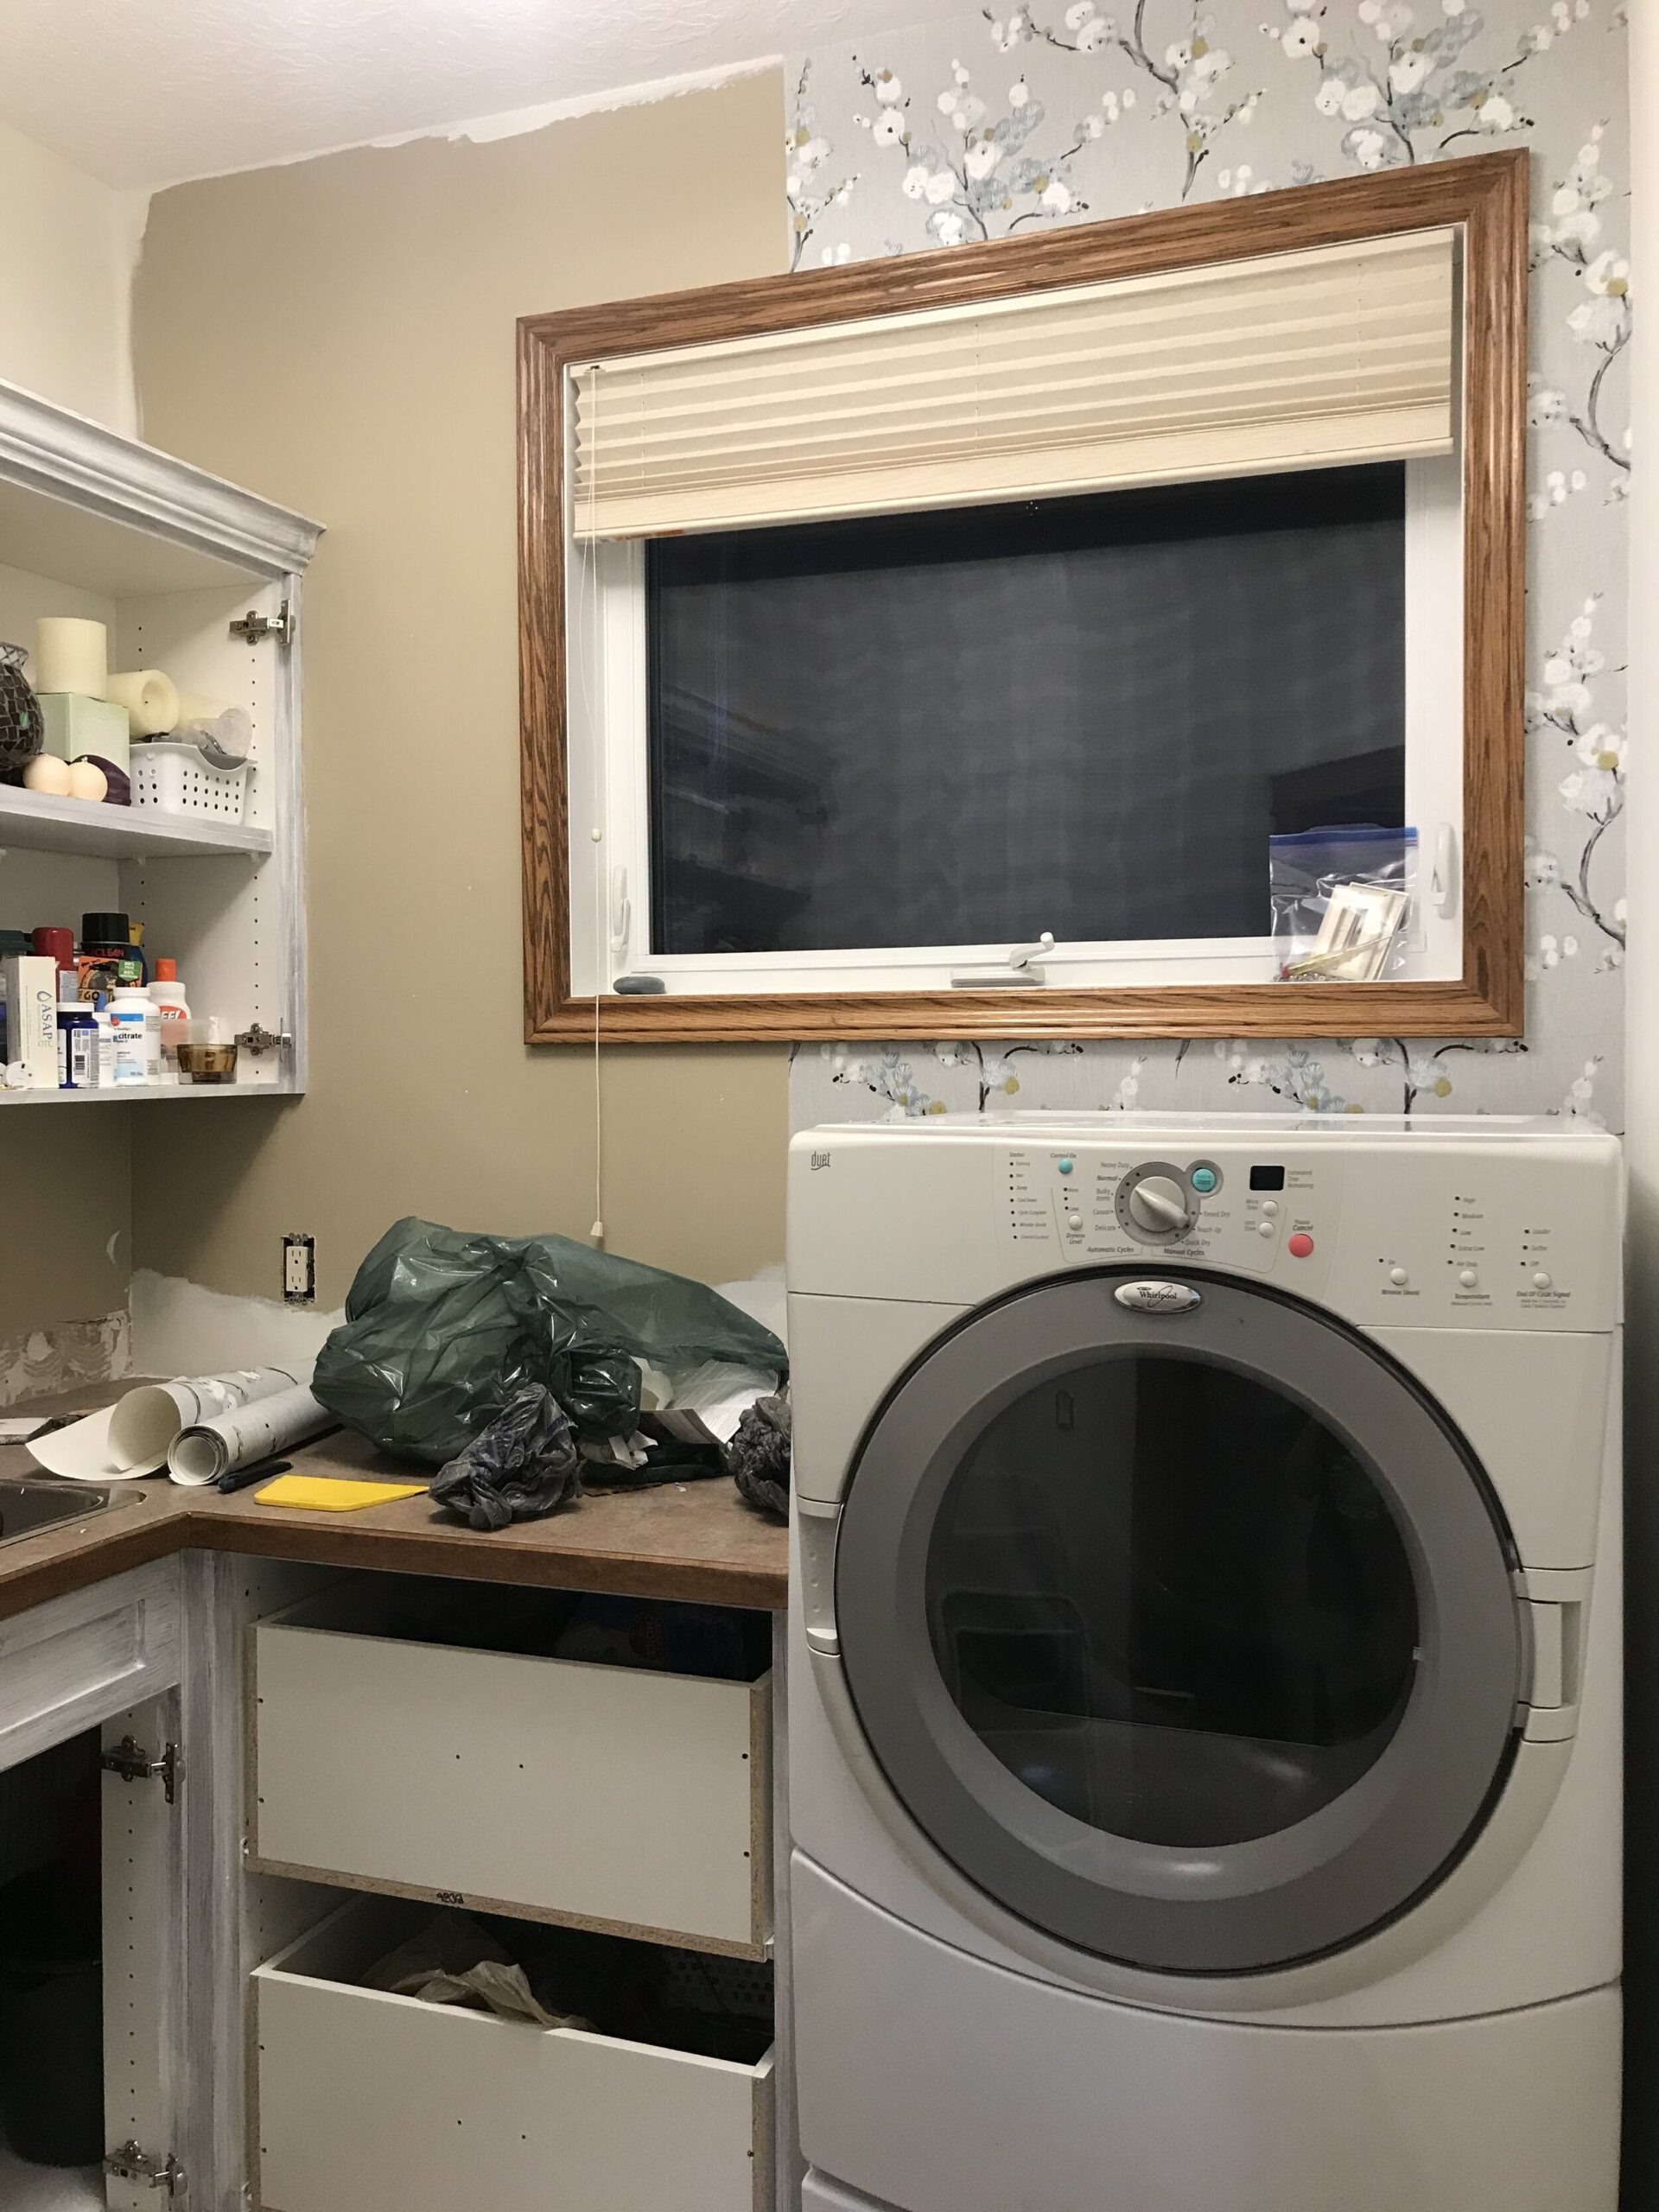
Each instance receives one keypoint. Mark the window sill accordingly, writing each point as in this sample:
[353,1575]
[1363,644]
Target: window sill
[1409,1009]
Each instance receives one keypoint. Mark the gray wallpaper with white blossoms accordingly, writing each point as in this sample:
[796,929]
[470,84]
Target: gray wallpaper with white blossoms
[1013,119]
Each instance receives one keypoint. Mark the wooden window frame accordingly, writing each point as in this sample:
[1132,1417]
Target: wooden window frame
[1488,195]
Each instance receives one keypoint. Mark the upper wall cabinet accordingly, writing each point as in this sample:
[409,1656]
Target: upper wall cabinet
[200,581]
[1116,632]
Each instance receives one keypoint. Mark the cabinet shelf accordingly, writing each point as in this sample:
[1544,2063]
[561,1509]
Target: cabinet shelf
[37,822]
[138,1094]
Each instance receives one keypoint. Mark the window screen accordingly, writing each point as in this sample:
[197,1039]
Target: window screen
[966,727]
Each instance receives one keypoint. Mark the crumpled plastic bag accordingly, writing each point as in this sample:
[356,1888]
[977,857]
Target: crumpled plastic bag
[443,1329]
[453,1961]
[758,1456]
[524,1465]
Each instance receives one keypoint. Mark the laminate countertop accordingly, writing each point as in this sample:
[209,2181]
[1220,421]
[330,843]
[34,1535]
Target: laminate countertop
[696,1541]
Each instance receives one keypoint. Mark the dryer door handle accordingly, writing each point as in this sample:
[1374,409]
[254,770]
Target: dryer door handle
[1555,1608]
[816,1528]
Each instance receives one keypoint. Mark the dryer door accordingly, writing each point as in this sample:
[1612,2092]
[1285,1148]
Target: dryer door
[1188,1634]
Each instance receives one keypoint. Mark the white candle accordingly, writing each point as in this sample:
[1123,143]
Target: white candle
[150,698]
[72,655]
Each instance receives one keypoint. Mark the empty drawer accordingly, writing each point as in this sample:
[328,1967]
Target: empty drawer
[607,1796]
[375,2103]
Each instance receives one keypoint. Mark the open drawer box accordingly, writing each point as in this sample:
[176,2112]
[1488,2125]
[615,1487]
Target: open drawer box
[393,1750]
[373,2103]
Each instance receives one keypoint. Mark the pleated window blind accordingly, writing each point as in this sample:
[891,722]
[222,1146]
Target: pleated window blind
[1340,355]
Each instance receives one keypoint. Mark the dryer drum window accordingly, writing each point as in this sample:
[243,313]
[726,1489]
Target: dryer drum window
[1172,1601]
[1190,1639]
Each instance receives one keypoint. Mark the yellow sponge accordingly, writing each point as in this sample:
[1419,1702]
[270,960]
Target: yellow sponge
[328,1494]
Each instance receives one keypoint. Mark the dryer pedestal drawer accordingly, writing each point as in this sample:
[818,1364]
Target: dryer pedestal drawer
[603,1796]
[370,2102]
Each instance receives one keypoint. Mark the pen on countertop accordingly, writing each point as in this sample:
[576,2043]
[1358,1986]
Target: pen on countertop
[243,1476]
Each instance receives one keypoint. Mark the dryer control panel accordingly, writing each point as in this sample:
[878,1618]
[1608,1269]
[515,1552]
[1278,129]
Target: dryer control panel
[1415,1236]
[1111,1208]
[1479,1224]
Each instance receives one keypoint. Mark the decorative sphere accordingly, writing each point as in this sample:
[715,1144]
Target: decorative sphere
[119,791]
[22,731]
[45,773]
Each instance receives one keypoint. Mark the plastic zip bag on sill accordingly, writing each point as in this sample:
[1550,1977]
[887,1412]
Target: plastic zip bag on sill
[1342,903]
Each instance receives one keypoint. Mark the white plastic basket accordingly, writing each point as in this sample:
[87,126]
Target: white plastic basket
[173,778]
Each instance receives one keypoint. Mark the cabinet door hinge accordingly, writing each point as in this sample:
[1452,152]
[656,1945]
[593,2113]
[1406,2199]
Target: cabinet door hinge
[251,627]
[133,2163]
[134,1764]
[259,1040]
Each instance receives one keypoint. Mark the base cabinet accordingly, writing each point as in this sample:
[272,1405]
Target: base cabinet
[610,1824]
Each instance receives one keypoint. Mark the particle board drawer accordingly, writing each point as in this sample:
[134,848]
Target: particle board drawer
[603,1796]
[369,2102]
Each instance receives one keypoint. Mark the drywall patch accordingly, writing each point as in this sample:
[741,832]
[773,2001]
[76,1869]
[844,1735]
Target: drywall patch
[180,1328]
[512,123]
[484,129]
[67,1357]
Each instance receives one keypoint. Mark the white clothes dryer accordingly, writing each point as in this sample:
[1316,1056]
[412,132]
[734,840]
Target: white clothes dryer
[1204,1694]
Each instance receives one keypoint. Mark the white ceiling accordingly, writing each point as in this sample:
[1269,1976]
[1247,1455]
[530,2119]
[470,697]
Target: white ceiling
[145,95]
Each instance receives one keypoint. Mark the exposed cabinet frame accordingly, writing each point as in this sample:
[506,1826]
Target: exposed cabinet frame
[1487,196]
[111,1658]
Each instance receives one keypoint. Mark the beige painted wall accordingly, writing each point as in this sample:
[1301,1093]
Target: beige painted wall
[66,1250]
[67,247]
[338,334]
[66,258]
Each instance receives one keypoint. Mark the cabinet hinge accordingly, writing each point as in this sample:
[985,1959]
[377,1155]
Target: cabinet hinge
[259,1040]
[134,1764]
[133,2163]
[251,627]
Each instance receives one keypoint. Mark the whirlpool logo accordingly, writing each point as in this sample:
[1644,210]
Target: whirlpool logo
[1157,1297]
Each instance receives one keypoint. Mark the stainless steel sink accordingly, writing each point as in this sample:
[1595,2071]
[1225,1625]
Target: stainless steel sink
[31,1504]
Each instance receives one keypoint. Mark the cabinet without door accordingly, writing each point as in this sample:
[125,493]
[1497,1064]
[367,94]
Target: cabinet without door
[243,2060]
[202,580]
[107,1662]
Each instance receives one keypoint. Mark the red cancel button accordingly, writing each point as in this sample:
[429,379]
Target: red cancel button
[1299,1246]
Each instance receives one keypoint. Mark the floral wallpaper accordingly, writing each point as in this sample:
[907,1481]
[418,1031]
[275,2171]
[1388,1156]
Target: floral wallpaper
[1013,119]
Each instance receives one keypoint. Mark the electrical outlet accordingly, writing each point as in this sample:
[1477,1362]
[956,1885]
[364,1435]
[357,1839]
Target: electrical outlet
[298,1269]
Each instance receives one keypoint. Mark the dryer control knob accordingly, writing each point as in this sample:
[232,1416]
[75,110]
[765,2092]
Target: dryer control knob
[1159,1204]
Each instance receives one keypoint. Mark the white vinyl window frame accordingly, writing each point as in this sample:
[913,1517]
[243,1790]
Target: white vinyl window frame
[610,843]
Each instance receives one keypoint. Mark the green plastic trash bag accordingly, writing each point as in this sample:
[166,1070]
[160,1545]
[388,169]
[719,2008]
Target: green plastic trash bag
[443,1329]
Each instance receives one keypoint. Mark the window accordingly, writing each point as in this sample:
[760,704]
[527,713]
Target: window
[948,671]
[952,731]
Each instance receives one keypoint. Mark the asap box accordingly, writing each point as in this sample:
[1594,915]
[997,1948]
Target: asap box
[30,985]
